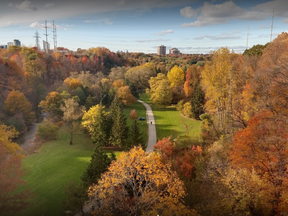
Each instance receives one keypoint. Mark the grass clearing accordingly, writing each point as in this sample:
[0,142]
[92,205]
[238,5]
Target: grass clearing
[169,122]
[49,170]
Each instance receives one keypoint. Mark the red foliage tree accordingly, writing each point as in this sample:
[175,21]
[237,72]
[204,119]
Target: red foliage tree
[133,114]
[185,163]
[165,146]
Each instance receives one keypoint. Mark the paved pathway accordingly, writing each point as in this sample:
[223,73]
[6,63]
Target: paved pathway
[152,138]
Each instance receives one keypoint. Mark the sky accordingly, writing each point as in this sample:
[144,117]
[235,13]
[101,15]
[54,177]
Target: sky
[192,26]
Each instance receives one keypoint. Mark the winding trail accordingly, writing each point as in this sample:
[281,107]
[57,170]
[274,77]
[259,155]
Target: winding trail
[152,138]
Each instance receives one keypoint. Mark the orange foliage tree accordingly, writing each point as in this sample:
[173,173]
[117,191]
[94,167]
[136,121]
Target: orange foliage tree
[165,147]
[262,145]
[17,103]
[125,95]
[12,198]
[183,160]
[271,77]
[118,83]
[138,183]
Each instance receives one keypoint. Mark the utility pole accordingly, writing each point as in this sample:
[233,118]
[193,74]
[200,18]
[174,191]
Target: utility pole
[272,26]
[46,44]
[55,36]
[37,44]
[247,38]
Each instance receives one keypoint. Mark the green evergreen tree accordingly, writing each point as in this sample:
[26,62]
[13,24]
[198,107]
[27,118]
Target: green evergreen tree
[119,130]
[100,161]
[136,137]
[198,100]
[99,135]
[76,192]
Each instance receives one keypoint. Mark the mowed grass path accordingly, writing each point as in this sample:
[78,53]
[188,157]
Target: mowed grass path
[169,122]
[57,163]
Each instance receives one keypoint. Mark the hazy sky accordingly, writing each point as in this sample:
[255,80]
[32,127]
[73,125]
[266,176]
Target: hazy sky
[193,26]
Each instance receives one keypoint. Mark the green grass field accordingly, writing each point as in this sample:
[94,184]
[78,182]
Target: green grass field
[49,170]
[169,122]
[58,163]
[52,167]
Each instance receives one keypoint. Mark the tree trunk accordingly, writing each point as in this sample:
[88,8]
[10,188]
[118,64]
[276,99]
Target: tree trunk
[71,134]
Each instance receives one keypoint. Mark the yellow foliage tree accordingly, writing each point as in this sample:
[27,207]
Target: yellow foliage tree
[52,103]
[6,134]
[248,193]
[187,109]
[118,83]
[217,81]
[176,76]
[90,117]
[160,90]
[74,83]
[138,183]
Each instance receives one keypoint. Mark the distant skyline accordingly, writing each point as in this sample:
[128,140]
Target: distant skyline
[193,26]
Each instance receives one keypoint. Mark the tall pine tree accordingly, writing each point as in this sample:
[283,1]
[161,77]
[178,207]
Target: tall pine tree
[119,131]
[136,137]
[197,101]
[100,162]
[99,134]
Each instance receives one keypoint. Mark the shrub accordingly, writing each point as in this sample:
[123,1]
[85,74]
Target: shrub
[47,131]
[17,122]
[187,110]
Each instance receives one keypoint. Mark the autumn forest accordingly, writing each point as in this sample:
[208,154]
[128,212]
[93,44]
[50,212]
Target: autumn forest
[221,122]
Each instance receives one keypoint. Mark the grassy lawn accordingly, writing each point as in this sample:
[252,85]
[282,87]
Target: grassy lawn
[49,170]
[169,122]
[141,112]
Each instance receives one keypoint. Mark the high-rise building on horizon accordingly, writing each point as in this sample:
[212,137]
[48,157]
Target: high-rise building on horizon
[174,51]
[46,46]
[16,42]
[161,50]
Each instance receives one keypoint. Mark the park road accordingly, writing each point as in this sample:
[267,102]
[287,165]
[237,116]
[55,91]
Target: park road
[152,138]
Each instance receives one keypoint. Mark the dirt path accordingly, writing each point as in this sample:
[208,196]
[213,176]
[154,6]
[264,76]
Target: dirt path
[152,138]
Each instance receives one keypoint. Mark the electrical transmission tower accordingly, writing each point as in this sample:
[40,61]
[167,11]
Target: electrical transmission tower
[37,43]
[55,36]
[46,44]
[272,26]
[247,38]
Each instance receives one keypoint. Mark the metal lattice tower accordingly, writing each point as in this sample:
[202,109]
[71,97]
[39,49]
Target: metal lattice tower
[55,36]
[37,43]
[46,27]
[247,38]
[272,26]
